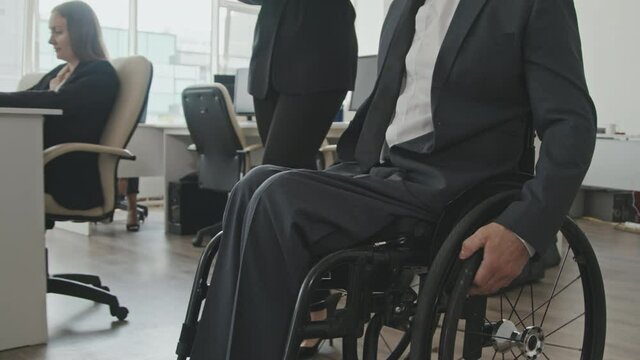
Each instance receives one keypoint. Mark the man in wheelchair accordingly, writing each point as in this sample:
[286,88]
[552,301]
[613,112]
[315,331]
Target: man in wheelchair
[461,84]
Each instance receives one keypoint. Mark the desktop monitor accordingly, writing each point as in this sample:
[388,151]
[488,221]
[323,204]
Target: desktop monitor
[228,81]
[243,100]
[365,80]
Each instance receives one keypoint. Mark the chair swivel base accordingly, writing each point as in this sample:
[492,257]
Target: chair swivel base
[86,287]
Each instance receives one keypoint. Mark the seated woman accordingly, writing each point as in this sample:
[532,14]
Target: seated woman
[85,88]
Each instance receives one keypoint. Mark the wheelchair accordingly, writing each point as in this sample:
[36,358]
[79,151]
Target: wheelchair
[419,294]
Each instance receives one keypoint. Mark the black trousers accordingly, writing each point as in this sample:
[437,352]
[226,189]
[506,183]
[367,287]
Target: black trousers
[133,185]
[292,127]
[276,222]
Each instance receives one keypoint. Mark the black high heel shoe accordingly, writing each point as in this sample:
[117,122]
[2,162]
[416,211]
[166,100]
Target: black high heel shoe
[133,227]
[331,303]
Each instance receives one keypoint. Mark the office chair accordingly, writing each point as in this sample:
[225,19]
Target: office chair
[224,156]
[29,80]
[135,75]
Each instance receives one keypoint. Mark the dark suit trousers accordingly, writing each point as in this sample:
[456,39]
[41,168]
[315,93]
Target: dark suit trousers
[292,127]
[276,223]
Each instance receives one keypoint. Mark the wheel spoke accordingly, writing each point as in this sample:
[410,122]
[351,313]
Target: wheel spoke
[385,342]
[549,300]
[494,355]
[514,310]
[555,285]
[545,356]
[516,304]
[514,354]
[533,316]
[563,346]
[569,322]
[487,334]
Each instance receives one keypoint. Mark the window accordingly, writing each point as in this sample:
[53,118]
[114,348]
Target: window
[176,38]
[236,25]
[12,29]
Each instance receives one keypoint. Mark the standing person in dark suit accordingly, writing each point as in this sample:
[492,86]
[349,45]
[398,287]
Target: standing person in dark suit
[303,63]
[85,88]
[460,81]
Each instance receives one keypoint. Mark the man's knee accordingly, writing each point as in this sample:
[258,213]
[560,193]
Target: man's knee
[286,190]
[258,175]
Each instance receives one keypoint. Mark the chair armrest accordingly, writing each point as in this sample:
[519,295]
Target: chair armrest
[245,157]
[328,148]
[251,148]
[327,152]
[192,147]
[61,149]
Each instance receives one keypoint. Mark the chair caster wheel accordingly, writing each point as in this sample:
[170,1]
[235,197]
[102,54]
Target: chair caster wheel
[120,312]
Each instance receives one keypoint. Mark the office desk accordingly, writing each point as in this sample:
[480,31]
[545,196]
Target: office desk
[22,251]
[178,161]
[148,144]
[614,164]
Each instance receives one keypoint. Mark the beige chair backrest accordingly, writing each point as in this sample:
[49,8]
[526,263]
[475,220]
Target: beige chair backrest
[29,80]
[135,74]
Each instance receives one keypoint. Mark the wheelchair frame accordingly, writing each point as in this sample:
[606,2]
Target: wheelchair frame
[416,313]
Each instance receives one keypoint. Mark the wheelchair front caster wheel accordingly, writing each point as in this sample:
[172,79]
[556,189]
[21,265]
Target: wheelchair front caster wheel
[120,312]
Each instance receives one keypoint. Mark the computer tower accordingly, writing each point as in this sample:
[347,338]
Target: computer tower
[229,82]
[609,205]
[192,208]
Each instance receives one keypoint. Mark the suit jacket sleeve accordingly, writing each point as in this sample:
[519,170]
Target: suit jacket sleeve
[86,81]
[564,118]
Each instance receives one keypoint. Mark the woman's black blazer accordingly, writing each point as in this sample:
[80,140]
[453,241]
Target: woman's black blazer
[86,100]
[303,46]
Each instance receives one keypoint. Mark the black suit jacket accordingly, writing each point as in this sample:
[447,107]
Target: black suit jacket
[504,64]
[86,100]
[303,46]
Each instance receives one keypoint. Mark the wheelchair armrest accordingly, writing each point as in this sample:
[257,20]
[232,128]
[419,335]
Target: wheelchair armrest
[61,149]
[484,190]
[470,198]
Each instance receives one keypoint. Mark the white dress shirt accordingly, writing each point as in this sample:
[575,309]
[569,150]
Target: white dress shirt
[413,116]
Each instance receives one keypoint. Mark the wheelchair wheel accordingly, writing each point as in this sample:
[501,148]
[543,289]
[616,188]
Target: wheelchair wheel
[198,295]
[385,342]
[562,316]
[388,332]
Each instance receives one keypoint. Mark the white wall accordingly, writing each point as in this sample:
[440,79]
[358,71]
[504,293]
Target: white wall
[369,17]
[611,48]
